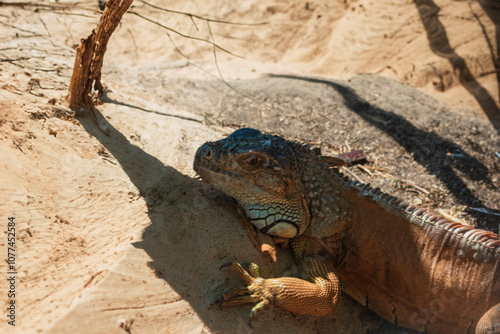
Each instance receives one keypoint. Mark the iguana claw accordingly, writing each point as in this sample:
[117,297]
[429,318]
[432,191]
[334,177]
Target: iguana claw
[225,265]
[253,293]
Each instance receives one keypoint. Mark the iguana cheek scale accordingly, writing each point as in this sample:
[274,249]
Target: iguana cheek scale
[409,265]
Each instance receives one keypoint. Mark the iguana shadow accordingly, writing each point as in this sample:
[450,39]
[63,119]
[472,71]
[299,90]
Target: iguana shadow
[174,258]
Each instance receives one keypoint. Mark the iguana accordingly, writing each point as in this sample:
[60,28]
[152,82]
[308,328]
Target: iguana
[409,265]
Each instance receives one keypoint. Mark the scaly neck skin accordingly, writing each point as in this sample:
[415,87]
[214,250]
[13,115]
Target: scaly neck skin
[323,187]
[342,208]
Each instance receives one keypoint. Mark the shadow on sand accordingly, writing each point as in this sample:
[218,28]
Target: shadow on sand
[429,148]
[440,45]
[492,9]
[188,238]
[164,189]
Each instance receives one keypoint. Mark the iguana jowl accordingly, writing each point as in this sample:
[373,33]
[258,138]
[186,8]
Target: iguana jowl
[408,265]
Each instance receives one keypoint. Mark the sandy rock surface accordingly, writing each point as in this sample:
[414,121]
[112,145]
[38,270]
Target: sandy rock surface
[114,232]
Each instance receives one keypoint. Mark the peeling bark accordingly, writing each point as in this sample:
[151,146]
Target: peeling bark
[90,56]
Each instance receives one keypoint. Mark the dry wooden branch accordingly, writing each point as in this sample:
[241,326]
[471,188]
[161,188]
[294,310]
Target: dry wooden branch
[90,56]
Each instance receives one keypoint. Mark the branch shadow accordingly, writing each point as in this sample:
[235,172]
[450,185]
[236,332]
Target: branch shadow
[440,45]
[428,148]
[492,9]
[107,99]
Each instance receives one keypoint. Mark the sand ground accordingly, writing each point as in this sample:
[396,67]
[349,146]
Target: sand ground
[115,233]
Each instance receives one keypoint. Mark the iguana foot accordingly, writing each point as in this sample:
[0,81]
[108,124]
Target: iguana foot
[253,293]
[291,294]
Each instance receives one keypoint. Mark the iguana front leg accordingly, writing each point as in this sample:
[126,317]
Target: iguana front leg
[318,295]
[266,244]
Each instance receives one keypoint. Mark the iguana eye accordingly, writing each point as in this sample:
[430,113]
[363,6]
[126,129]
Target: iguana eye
[251,160]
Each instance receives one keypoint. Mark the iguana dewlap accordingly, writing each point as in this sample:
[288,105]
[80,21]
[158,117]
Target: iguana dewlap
[410,266]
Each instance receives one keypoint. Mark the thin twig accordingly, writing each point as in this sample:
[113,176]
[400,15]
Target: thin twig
[201,17]
[52,8]
[451,217]
[406,182]
[48,32]
[485,33]
[412,184]
[194,23]
[62,12]
[13,62]
[364,169]
[21,29]
[352,174]
[185,36]
[483,210]
[7,60]
[30,4]
[48,52]
[218,69]
[202,69]
[215,52]
[189,60]
[70,34]
[179,50]
[133,41]
[489,72]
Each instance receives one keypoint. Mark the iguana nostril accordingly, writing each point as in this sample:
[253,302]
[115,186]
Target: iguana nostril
[208,154]
[204,153]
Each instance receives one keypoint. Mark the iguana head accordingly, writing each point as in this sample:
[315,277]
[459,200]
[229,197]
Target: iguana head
[261,172]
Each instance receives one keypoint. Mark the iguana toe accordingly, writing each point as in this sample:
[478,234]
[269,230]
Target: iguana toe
[255,292]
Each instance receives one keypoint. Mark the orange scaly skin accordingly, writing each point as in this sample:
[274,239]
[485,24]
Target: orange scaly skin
[408,265]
